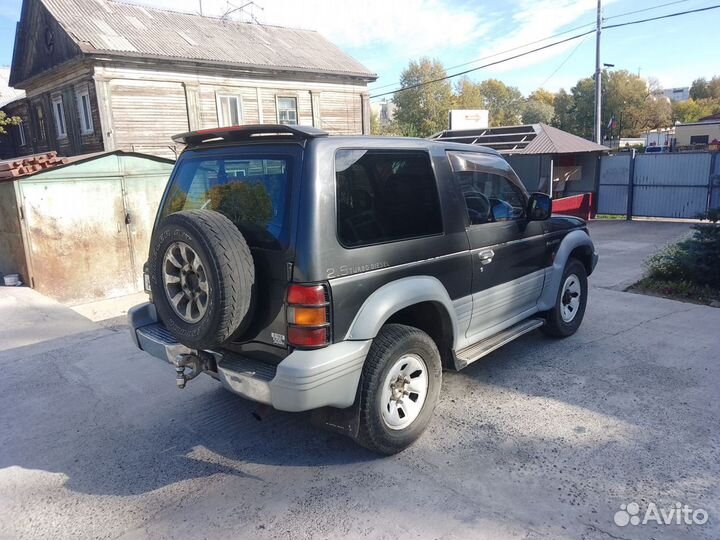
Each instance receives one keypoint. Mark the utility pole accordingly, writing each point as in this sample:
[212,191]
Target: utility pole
[598,77]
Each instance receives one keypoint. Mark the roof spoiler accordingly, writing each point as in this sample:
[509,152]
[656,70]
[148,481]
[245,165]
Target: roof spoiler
[235,133]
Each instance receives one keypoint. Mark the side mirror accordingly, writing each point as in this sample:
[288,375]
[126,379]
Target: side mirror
[539,207]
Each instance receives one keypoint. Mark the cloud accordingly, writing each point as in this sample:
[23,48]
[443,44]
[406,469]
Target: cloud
[401,27]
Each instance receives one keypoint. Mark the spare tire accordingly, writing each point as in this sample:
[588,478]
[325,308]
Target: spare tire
[202,278]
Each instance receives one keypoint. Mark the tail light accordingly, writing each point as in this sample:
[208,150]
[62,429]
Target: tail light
[308,316]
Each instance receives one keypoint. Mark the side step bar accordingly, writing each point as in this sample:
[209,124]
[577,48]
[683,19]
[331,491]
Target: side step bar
[476,351]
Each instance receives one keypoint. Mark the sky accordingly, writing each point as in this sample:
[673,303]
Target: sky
[386,34]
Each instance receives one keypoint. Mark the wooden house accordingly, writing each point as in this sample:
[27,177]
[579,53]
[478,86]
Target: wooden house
[103,75]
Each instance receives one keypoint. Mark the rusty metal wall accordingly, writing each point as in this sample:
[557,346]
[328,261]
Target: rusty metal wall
[614,181]
[671,185]
[88,226]
[12,247]
[77,238]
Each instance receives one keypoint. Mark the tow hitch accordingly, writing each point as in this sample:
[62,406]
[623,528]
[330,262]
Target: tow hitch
[196,363]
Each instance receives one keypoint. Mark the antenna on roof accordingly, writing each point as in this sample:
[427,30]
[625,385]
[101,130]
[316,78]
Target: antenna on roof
[241,9]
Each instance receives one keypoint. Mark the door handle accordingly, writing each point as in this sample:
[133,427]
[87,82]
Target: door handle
[486,256]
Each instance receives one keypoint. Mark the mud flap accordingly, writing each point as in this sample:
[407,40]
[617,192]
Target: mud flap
[344,421]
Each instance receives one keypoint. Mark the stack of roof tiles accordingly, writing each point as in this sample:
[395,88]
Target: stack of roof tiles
[13,168]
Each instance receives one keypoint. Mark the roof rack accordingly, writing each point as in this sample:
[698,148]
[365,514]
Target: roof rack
[234,133]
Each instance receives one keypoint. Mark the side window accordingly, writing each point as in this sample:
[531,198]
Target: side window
[59,112]
[489,196]
[384,196]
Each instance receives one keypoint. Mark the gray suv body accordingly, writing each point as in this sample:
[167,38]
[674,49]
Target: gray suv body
[371,264]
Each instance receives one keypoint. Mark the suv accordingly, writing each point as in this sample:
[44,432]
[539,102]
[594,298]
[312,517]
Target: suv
[343,274]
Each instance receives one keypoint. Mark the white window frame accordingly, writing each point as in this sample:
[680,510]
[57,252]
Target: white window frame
[21,134]
[238,100]
[82,95]
[59,115]
[277,108]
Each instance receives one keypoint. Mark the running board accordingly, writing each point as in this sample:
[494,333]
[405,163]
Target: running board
[484,347]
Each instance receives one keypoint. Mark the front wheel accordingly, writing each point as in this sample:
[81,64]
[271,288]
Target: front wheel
[565,317]
[400,388]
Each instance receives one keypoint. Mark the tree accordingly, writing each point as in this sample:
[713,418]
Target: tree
[468,95]
[699,89]
[564,110]
[535,112]
[6,120]
[543,96]
[423,111]
[692,110]
[505,103]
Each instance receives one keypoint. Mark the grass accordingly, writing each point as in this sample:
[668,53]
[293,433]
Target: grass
[688,270]
[610,216]
[684,291]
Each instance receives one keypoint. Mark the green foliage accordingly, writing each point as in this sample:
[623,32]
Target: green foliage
[681,290]
[503,102]
[535,112]
[543,96]
[468,95]
[636,104]
[703,89]
[424,110]
[694,109]
[694,260]
[6,120]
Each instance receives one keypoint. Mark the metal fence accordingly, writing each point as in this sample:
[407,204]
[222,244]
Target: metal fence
[679,185]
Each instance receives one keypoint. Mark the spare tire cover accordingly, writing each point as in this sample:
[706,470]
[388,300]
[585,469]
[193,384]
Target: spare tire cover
[202,278]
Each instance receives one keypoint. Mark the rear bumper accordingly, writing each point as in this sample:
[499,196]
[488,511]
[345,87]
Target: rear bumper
[304,380]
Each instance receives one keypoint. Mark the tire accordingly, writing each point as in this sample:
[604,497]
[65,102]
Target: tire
[223,277]
[574,280]
[395,344]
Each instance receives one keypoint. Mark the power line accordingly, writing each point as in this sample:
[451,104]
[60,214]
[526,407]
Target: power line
[513,49]
[484,65]
[662,17]
[571,38]
[519,47]
[563,62]
[645,9]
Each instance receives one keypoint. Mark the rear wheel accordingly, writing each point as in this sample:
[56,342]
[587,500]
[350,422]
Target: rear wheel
[565,317]
[400,388]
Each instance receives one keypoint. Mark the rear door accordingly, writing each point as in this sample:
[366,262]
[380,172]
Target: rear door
[508,250]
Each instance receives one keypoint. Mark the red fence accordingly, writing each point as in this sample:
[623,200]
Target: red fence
[578,205]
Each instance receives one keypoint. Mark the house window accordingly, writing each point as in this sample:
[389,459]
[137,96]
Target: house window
[40,122]
[228,111]
[287,110]
[699,139]
[59,112]
[84,111]
[21,134]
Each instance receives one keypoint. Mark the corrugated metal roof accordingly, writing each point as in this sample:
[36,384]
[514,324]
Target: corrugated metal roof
[110,27]
[524,139]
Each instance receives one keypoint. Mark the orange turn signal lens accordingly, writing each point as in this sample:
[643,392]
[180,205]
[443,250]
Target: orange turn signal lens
[303,316]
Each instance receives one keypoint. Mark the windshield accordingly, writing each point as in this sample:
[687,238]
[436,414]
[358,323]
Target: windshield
[250,190]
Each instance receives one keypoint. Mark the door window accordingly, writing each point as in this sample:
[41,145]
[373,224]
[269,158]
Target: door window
[489,195]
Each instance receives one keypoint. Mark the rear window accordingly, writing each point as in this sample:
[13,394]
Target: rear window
[251,191]
[384,196]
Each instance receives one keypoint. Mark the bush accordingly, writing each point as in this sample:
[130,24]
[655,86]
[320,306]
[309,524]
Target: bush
[695,260]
